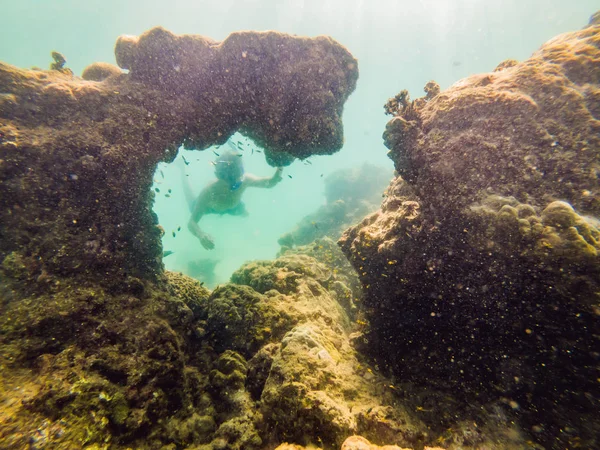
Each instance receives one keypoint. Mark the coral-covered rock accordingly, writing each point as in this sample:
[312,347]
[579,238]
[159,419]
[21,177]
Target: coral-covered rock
[232,75]
[308,378]
[535,126]
[77,156]
[350,195]
[98,346]
[99,71]
[481,270]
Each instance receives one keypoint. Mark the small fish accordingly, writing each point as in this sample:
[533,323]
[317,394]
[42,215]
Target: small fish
[239,145]
[202,283]
[156,190]
[169,191]
[178,228]
[213,163]
[258,151]
[167,195]
[162,174]
[240,155]
[174,234]
[315,224]
[185,161]
[290,176]
[216,153]
[307,161]
[252,152]
[167,253]
[321,175]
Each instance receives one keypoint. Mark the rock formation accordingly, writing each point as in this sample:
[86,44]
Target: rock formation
[77,156]
[350,195]
[98,346]
[482,268]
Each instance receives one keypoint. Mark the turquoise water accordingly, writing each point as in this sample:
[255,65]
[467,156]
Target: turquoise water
[399,45]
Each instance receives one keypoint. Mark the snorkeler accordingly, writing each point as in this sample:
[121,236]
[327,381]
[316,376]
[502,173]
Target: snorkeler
[224,195]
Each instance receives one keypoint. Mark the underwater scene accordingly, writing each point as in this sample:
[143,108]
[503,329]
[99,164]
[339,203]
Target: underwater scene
[335,225]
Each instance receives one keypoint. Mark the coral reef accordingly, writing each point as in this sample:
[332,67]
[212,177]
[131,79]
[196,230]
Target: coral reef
[312,387]
[480,282]
[245,82]
[78,156]
[250,365]
[350,195]
[482,270]
[99,347]
[100,71]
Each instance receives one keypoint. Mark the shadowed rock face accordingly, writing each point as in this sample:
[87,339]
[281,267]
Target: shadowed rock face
[77,156]
[482,268]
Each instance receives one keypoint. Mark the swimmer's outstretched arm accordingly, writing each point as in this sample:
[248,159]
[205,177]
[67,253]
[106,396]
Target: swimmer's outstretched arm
[199,210]
[263,182]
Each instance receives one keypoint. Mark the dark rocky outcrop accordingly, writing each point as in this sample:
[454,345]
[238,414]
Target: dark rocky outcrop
[482,268]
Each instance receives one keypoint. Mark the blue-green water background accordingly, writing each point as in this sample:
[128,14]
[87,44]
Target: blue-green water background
[399,44]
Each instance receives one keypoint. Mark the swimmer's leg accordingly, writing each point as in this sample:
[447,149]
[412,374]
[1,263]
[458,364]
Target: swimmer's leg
[190,198]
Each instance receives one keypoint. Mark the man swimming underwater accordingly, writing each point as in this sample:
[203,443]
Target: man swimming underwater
[224,195]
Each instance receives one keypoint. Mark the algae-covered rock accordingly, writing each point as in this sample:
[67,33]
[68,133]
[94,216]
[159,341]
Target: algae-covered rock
[190,291]
[230,372]
[99,346]
[350,195]
[200,67]
[91,215]
[195,429]
[241,319]
[481,272]
[99,71]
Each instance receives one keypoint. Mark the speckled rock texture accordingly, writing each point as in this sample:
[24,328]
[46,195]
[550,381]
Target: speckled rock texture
[99,347]
[264,360]
[77,156]
[482,268]
[286,92]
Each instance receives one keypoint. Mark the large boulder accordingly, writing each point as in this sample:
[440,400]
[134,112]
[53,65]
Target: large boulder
[482,268]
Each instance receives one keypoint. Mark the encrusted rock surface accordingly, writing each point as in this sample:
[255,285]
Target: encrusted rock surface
[535,125]
[480,292]
[98,346]
[255,363]
[286,92]
[482,268]
[77,157]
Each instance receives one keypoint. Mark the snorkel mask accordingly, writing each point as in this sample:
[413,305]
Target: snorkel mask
[229,168]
